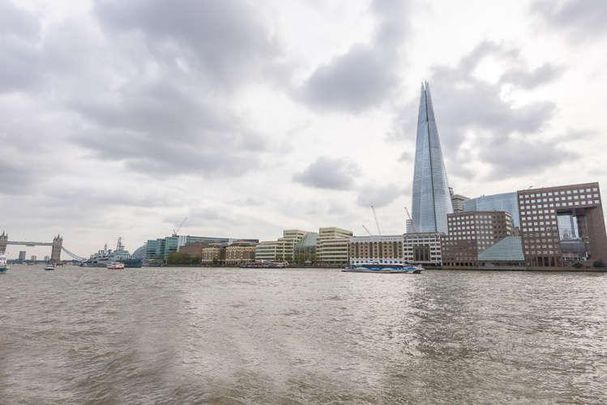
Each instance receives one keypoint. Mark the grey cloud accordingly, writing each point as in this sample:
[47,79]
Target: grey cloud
[515,156]
[19,32]
[16,178]
[165,130]
[406,156]
[530,79]
[154,100]
[351,82]
[15,21]
[366,74]
[378,195]
[466,105]
[580,18]
[226,38]
[327,173]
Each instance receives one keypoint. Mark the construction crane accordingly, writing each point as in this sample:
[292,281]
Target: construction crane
[366,229]
[410,219]
[176,231]
[376,221]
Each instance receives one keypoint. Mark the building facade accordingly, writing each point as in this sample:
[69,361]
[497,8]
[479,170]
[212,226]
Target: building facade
[239,253]
[266,251]
[431,197]
[332,246]
[470,233]
[305,250]
[458,201]
[282,249]
[382,248]
[543,243]
[505,254]
[193,249]
[496,202]
[286,244]
[158,250]
[211,255]
[423,248]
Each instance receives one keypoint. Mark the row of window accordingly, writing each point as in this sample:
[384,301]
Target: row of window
[560,204]
[560,192]
[563,198]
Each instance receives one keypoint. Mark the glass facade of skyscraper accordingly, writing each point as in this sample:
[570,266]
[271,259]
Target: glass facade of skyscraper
[431,197]
[497,202]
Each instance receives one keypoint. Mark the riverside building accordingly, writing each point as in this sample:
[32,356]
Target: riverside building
[382,248]
[212,255]
[577,207]
[423,248]
[470,233]
[239,253]
[496,202]
[332,246]
[305,250]
[282,249]
[158,250]
[266,250]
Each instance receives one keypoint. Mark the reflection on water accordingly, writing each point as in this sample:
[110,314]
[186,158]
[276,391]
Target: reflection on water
[232,335]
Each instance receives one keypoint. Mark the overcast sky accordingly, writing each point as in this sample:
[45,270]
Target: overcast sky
[120,118]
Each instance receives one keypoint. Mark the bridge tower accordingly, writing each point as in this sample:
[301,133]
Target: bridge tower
[3,242]
[56,249]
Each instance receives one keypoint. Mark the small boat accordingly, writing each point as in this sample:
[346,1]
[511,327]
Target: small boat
[115,266]
[3,263]
[49,266]
[377,266]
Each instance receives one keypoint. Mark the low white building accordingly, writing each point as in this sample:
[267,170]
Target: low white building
[423,248]
[332,246]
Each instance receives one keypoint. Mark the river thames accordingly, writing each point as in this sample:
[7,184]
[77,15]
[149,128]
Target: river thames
[192,335]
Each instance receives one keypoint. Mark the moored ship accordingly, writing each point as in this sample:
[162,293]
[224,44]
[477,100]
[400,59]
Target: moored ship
[107,256]
[383,266]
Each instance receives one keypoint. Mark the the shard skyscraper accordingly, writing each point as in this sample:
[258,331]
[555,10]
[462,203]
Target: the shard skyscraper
[431,197]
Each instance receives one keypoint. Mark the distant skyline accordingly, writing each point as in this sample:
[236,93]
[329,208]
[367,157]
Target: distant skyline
[120,118]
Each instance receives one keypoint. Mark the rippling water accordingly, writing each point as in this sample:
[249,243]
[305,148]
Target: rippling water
[245,335]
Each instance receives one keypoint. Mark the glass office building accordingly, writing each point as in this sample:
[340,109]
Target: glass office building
[497,202]
[431,197]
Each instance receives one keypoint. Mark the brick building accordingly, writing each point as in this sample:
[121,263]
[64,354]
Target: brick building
[470,233]
[563,226]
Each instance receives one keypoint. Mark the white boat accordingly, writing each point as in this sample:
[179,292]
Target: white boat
[381,266]
[3,263]
[49,266]
[115,266]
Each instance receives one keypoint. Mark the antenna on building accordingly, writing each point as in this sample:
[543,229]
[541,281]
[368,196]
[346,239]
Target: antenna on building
[376,221]
[366,229]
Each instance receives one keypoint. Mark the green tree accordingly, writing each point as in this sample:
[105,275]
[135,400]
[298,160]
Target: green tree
[177,258]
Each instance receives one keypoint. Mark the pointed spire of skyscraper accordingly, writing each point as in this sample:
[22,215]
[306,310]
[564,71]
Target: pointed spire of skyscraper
[431,198]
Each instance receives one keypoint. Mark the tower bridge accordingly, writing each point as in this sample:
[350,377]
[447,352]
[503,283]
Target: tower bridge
[56,247]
